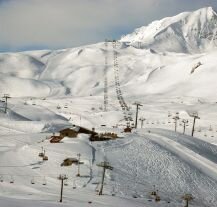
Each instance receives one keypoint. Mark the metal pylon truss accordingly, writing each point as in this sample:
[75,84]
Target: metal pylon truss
[106,77]
[125,108]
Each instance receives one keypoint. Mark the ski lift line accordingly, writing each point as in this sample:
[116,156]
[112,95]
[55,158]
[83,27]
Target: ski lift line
[106,77]
[146,189]
[117,82]
[32,175]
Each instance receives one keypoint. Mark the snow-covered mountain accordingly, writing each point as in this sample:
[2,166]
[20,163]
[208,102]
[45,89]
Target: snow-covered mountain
[79,72]
[187,32]
[162,65]
[52,90]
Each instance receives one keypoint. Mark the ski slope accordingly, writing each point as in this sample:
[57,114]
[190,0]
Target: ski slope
[173,162]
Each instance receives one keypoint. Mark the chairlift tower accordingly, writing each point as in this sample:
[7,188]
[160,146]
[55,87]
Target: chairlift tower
[6,97]
[106,166]
[62,178]
[195,116]
[79,160]
[176,118]
[137,111]
[142,121]
[187,198]
[185,122]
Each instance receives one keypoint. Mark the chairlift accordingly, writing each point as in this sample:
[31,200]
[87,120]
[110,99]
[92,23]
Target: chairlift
[45,158]
[97,188]
[113,191]
[153,193]
[210,128]
[41,154]
[32,181]
[12,180]
[65,182]
[74,185]
[157,198]
[44,181]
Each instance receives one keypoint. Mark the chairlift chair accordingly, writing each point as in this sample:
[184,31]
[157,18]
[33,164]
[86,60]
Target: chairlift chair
[32,181]
[41,154]
[74,185]
[157,198]
[44,181]
[153,193]
[12,180]
[45,158]
[65,182]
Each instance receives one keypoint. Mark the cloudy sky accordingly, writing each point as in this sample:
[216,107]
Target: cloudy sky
[52,24]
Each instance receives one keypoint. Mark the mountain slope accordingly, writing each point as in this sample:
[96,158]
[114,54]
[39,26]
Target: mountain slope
[187,32]
[79,72]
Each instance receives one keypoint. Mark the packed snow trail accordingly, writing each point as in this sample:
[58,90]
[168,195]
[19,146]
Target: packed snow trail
[198,146]
[189,156]
[144,163]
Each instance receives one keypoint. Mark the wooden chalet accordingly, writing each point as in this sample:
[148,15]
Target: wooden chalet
[103,137]
[75,130]
[69,132]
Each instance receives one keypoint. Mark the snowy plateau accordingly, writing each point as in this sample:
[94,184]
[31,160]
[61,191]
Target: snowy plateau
[169,67]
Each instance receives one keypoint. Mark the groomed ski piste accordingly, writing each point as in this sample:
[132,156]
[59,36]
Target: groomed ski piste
[52,90]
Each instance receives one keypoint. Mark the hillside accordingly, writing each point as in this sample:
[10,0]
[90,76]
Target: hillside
[142,71]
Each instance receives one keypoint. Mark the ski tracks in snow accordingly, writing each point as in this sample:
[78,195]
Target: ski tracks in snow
[194,159]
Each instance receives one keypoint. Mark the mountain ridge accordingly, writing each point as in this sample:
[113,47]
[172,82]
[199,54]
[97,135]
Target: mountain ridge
[187,32]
